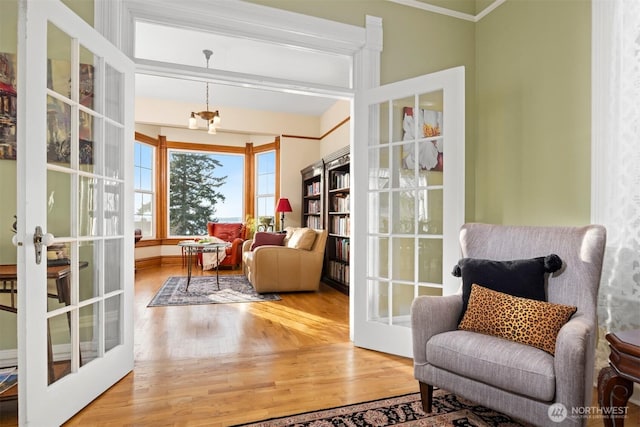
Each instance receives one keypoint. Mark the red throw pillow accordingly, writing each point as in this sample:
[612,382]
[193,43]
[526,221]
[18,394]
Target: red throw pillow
[262,238]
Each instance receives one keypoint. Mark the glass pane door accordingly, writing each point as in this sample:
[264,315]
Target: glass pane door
[414,203]
[74,171]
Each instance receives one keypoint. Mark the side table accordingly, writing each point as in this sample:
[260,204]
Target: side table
[193,248]
[615,382]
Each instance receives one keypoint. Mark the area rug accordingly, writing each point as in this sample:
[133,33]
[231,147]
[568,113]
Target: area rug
[403,411]
[205,290]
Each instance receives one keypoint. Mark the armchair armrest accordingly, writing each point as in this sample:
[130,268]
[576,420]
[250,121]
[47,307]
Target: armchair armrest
[236,251]
[430,316]
[246,245]
[575,352]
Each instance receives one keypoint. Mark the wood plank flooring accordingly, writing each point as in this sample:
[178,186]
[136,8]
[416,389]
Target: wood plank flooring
[224,364]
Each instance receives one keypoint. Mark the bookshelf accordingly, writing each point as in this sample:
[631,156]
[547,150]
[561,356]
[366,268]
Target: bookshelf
[312,188]
[338,220]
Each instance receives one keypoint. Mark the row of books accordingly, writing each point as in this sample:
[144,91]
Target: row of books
[340,203]
[313,188]
[340,180]
[313,222]
[342,249]
[340,225]
[313,206]
[338,271]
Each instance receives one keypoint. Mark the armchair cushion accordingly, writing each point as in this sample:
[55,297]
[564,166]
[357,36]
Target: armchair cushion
[523,320]
[227,231]
[511,366]
[302,238]
[264,238]
[521,278]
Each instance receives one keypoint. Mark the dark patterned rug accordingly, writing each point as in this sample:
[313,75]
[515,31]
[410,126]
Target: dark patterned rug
[205,290]
[402,411]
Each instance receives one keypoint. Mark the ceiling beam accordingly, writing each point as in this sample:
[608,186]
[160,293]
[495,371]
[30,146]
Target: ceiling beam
[231,78]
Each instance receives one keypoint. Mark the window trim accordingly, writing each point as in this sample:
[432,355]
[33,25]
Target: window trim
[162,178]
[195,148]
[256,183]
[145,139]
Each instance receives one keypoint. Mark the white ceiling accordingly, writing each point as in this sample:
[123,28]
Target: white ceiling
[185,47]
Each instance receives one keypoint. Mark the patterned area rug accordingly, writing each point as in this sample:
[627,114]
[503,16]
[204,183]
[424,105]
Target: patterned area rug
[403,411]
[205,290]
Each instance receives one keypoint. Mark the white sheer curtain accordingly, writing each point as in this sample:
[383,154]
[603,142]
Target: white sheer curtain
[616,161]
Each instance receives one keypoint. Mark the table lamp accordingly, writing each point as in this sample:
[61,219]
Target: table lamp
[282,207]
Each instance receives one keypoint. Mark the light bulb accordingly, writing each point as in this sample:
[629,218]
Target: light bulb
[212,128]
[193,124]
[216,119]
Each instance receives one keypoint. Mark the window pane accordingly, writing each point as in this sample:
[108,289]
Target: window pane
[204,187]
[144,188]
[146,182]
[266,185]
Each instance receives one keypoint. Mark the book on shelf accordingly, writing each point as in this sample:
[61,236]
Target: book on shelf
[339,272]
[8,378]
[313,222]
[340,203]
[313,206]
[313,188]
[342,248]
[341,225]
[341,179]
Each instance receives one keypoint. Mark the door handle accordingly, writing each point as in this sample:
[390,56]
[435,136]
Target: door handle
[40,240]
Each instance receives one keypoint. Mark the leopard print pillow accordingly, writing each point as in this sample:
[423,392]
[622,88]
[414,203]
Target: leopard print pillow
[527,321]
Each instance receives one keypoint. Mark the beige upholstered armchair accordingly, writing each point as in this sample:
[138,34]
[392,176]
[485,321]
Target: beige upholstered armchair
[517,379]
[296,265]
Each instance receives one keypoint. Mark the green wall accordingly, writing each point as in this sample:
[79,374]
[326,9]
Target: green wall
[528,94]
[532,162]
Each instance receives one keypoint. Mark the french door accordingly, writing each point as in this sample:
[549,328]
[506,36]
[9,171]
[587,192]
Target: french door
[75,130]
[409,202]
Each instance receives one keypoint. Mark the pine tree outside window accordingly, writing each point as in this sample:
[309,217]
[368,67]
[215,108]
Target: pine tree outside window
[203,187]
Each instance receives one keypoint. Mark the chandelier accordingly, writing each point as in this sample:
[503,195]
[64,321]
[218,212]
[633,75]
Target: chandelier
[212,117]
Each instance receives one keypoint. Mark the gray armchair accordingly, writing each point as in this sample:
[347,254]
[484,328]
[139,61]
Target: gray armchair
[516,379]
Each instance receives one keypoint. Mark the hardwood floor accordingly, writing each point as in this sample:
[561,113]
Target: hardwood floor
[224,364]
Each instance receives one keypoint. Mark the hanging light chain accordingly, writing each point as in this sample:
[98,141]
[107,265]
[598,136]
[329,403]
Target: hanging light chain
[207,54]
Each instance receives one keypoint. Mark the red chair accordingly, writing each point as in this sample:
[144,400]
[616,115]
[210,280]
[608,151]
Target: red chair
[233,232]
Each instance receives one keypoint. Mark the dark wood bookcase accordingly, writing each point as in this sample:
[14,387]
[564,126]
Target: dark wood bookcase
[312,195]
[326,205]
[338,220]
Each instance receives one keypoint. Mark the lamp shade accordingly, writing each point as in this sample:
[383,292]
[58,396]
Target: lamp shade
[193,124]
[283,205]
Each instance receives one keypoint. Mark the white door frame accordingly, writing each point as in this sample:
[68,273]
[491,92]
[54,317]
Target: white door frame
[116,20]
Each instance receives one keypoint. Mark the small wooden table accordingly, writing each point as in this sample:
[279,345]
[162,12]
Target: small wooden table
[60,273]
[615,382]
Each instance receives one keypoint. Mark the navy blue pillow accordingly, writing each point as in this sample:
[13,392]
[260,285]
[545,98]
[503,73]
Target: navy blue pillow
[523,278]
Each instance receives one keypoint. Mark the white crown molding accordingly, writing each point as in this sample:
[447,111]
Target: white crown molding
[448,12]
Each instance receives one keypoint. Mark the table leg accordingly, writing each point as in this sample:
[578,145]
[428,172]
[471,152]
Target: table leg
[217,267]
[63,286]
[613,395]
[189,264]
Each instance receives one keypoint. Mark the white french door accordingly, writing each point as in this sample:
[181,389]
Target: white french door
[75,130]
[409,202]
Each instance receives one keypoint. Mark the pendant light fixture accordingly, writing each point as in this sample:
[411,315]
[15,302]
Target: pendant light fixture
[212,117]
